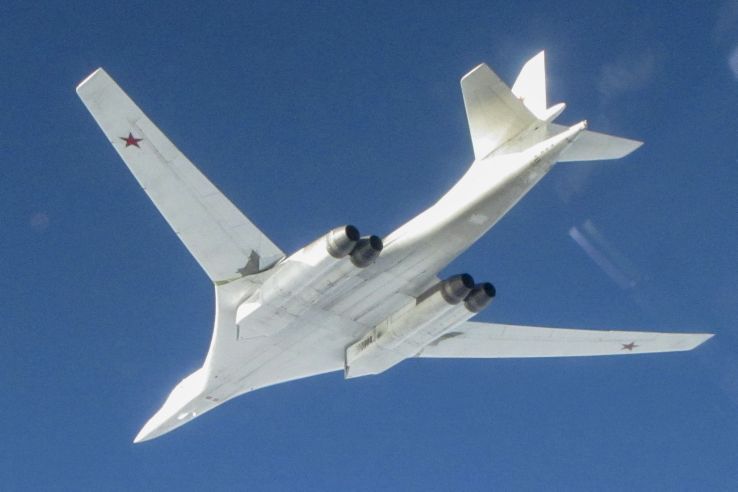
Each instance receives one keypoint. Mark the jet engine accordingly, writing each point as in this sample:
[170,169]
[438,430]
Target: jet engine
[402,335]
[303,277]
[321,262]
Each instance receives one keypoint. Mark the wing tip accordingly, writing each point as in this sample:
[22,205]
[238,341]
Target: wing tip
[474,71]
[698,339]
[684,342]
[93,76]
[634,145]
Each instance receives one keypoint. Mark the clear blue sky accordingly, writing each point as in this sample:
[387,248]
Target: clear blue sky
[309,115]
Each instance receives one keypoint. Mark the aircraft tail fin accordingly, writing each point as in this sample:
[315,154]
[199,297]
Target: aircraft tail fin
[513,119]
[530,86]
[495,115]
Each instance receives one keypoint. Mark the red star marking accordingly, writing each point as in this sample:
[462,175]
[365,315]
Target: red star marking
[131,140]
[629,346]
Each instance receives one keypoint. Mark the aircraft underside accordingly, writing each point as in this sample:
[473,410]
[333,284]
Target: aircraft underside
[354,303]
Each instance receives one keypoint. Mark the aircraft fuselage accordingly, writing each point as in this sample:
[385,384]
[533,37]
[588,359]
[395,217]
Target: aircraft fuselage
[355,300]
[488,190]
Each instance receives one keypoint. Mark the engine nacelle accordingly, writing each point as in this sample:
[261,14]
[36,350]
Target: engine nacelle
[480,297]
[366,251]
[303,277]
[436,302]
[307,267]
[405,333]
[457,288]
[341,241]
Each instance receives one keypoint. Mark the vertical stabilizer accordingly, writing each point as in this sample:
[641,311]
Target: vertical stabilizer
[494,114]
[530,86]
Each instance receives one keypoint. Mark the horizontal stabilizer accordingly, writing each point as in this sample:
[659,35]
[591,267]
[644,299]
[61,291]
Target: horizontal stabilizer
[594,146]
[491,340]
[223,241]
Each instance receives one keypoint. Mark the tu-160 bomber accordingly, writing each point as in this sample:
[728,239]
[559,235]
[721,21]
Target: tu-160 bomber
[353,303]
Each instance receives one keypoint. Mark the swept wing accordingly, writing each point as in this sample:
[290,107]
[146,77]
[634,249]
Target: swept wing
[491,340]
[224,242]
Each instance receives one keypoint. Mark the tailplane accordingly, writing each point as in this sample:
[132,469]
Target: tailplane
[593,146]
[503,120]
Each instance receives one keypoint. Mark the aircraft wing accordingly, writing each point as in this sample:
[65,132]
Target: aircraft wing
[491,340]
[224,242]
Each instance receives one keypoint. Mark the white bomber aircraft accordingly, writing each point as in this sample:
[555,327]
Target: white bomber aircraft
[356,303]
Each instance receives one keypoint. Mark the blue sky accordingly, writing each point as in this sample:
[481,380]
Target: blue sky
[310,115]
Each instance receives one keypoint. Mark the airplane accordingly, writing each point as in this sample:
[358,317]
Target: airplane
[356,303]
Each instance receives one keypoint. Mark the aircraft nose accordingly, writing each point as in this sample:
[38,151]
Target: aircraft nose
[147,432]
[141,437]
[156,426]
[162,422]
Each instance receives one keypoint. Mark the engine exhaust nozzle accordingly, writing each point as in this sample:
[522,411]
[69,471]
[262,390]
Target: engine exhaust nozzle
[366,251]
[455,289]
[342,240]
[480,297]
